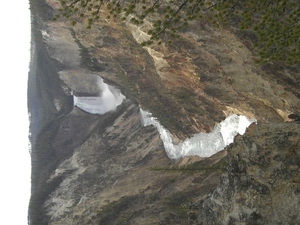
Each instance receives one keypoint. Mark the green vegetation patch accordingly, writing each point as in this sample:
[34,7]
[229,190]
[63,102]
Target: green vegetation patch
[274,23]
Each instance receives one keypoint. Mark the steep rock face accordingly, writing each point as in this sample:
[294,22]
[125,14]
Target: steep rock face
[261,184]
[121,175]
[109,169]
[189,85]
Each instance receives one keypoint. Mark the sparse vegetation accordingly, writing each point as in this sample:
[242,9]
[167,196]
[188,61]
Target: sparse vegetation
[274,23]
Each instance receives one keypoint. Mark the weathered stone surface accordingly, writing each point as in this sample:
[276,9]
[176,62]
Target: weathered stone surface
[121,173]
[190,85]
[261,184]
[109,169]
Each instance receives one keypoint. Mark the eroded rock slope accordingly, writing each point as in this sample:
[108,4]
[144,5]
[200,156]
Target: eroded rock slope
[261,184]
[109,169]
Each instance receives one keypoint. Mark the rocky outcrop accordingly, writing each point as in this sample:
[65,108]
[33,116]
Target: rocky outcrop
[261,184]
[121,175]
[189,85]
[109,169]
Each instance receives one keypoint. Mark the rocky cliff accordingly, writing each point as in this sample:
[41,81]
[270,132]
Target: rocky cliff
[261,182]
[110,169]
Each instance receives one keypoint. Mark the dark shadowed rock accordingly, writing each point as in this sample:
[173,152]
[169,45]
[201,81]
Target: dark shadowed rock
[294,117]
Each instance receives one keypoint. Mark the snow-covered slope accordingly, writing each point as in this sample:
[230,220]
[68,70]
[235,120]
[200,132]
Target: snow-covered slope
[201,144]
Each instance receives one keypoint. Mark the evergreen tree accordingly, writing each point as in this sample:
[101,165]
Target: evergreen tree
[276,23]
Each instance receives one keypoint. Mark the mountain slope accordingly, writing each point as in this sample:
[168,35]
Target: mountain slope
[109,169]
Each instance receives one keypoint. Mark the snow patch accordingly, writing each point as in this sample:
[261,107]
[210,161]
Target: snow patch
[109,100]
[57,104]
[201,144]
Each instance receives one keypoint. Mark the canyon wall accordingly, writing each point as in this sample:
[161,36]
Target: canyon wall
[110,169]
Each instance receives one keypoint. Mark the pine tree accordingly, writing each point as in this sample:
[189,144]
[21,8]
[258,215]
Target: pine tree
[276,23]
